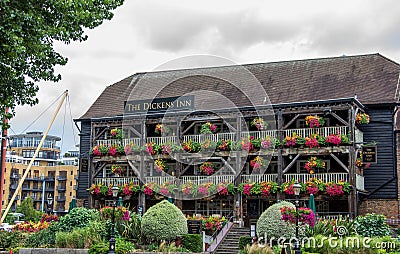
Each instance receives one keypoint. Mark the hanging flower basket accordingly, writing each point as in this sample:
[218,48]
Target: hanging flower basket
[303,214]
[259,123]
[116,133]
[314,163]
[257,163]
[117,169]
[208,128]
[207,168]
[161,165]
[162,129]
[314,121]
[362,118]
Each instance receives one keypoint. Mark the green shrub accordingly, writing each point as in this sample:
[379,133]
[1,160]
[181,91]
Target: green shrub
[163,221]
[245,240]
[271,225]
[45,238]
[122,246]
[99,248]
[77,218]
[372,225]
[80,238]
[192,242]
[26,208]
[12,239]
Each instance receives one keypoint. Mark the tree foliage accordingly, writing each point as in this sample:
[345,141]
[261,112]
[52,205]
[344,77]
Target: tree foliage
[28,30]
[26,207]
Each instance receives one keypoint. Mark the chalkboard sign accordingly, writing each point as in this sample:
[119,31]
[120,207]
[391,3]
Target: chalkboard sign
[369,154]
[140,210]
[194,226]
[286,249]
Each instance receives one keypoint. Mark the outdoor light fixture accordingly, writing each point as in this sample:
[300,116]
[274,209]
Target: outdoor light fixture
[296,189]
[114,191]
[49,203]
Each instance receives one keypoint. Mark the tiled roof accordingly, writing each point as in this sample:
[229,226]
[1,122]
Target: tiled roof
[373,78]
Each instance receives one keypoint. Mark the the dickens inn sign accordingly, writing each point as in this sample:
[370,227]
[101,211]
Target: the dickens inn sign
[159,104]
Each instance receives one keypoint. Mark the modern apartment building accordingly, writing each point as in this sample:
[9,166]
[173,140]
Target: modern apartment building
[51,182]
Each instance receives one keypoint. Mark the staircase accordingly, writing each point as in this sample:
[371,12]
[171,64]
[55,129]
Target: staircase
[230,244]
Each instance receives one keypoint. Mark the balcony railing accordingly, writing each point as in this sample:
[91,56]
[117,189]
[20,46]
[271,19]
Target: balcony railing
[303,132]
[61,198]
[326,177]
[216,179]
[260,178]
[323,131]
[125,141]
[61,178]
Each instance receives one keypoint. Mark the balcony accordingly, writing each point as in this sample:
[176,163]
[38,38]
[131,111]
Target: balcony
[49,189]
[60,198]
[26,188]
[216,179]
[303,132]
[15,176]
[49,178]
[61,188]
[61,178]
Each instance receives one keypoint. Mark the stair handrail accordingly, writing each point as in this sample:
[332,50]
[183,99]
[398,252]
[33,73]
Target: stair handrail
[219,235]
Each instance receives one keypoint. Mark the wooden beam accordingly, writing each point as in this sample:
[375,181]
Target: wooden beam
[340,162]
[291,163]
[187,167]
[98,171]
[340,119]
[190,126]
[291,121]
[135,131]
[231,128]
[137,172]
[227,165]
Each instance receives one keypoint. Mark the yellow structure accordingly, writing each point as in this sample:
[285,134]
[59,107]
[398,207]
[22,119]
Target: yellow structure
[51,185]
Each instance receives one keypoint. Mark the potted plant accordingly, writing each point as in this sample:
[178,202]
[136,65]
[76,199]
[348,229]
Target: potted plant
[257,163]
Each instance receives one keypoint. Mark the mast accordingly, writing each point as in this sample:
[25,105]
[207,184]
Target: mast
[33,158]
[3,161]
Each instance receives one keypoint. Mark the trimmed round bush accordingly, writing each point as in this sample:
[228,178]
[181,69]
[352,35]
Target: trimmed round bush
[163,221]
[270,225]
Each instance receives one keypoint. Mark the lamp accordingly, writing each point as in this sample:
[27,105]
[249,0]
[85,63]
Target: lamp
[296,189]
[49,202]
[114,191]
[43,186]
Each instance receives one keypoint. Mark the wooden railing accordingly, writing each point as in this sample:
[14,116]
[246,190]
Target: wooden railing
[260,178]
[304,132]
[124,142]
[216,179]
[259,134]
[323,131]
[326,177]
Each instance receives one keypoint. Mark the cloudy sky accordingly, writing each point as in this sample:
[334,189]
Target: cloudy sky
[145,34]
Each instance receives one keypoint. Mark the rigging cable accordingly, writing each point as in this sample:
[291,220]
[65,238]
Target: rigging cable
[34,121]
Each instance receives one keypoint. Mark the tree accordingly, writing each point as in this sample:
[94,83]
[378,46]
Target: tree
[26,207]
[28,30]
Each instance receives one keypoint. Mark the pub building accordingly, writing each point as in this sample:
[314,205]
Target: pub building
[232,140]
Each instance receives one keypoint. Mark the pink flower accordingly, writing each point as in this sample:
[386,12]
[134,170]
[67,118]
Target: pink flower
[203,190]
[127,149]
[112,151]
